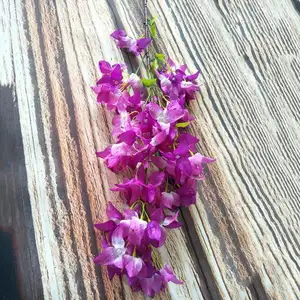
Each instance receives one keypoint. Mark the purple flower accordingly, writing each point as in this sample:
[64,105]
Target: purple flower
[113,255]
[175,83]
[133,265]
[198,162]
[116,156]
[156,234]
[152,285]
[171,222]
[157,282]
[170,200]
[187,192]
[136,231]
[168,275]
[186,145]
[136,188]
[136,46]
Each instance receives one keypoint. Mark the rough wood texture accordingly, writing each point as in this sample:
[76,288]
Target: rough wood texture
[241,240]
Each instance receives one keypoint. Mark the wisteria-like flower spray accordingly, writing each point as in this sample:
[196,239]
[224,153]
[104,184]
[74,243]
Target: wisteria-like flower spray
[150,127]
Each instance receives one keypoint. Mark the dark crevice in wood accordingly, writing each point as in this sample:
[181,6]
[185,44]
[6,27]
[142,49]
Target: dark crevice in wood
[257,289]
[201,264]
[8,268]
[15,206]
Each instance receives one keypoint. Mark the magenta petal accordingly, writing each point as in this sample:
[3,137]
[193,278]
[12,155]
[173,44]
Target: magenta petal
[106,226]
[104,67]
[112,212]
[187,192]
[133,265]
[157,215]
[185,166]
[117,238]
[129,213]
[159,162]
[96,89]
[200,159]
[104,242]
[157,284]
[136,231]
[107,256]
[156,234]
[141,174]
[143,43]
[155,110]
[112,271]
[119,261]
[171,221]
[170,200]
[117,34]
[174,115]
[182,149]
[146,284]
[156,178]
[168,275]
[104,153]
[148,193]
[188,138]
[116,74]
[159,138]
[192,77]
[120,149]
[131,188]
[135,98]
[127,137]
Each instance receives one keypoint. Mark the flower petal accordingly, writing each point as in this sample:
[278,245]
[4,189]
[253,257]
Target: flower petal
[171,221]
[127,137]
[133,265]
[136,231]
[159,138]
[117,238]
[157,215]
[156,234]
[104,67]
[170,200]
[112,271]
[156,178]
[107,256]
[168,275]
[106,226]
[112,212]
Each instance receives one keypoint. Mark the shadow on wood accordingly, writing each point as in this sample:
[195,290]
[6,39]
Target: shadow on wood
[19,260]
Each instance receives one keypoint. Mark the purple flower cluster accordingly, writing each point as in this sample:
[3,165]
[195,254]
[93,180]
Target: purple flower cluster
[136,46]
[150,129]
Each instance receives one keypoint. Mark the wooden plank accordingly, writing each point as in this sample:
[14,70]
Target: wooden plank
[241,240]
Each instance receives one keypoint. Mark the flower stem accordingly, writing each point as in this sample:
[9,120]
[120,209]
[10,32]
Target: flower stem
[146,34]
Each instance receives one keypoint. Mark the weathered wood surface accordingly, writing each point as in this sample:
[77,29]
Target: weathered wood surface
[241,240]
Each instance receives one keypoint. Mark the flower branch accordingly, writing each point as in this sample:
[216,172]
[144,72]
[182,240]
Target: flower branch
[150,128]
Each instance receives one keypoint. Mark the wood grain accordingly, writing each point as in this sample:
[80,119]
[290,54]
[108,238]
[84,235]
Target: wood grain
[241,240]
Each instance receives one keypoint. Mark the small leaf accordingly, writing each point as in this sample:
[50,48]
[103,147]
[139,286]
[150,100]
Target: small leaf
[148,82]
[152,25]
[151,21]
[154,64]
[182,125]
[160,56]
[153,31]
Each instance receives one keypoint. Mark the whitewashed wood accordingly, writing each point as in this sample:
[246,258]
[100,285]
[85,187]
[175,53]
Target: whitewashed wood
[241,240]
